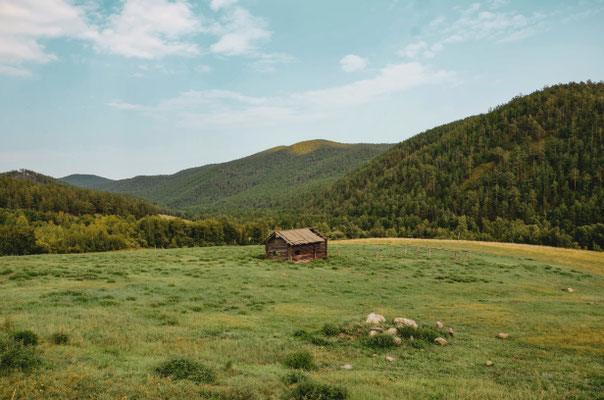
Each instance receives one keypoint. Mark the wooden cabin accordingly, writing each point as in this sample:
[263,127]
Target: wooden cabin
[297,245]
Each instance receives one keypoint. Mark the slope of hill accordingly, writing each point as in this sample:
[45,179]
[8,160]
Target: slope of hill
[29,190]
[85,180]
[278,178]
[529,171]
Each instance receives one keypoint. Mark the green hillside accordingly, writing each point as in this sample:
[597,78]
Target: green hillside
[278,178]
[29,190]
[85,180]
[529,171]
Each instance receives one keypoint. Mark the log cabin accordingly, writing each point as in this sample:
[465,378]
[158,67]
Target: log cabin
[298,245]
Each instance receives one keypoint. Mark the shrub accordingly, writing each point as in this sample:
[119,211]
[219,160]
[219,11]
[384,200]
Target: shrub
[294,377]
[180,368]
[423,332]
[300,360]
[14,355]
[330,330]
[380,341]
[309,390]
[27,337]
[235,393]
[59,338]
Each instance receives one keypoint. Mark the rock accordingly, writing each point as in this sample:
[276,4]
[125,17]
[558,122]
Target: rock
[489,363]
[411,338]
[346,367]
[388,358]
[373,333]
[569,290]
[440,341]
[503,335]
[439,324]
[405,322]
[376,328]
[398,341]
[374,355]
[374,318]
[392,331]
[451,332]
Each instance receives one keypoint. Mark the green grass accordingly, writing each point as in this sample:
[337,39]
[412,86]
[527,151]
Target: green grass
[126,313]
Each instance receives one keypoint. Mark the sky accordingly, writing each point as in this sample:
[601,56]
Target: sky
[140,87]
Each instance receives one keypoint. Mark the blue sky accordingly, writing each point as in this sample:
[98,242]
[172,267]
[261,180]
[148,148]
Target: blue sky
[138,87]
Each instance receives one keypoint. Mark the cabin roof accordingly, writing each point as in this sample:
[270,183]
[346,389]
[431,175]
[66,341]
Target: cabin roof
[296,237]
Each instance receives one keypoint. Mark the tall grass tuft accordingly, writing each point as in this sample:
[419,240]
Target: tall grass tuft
[181,368]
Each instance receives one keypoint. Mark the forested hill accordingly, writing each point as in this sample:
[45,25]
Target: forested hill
[29,190]
[278,178]
[529,171]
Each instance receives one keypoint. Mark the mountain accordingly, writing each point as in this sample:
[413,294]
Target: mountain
[28,190]
[278,178]
[86,180]
[529,171]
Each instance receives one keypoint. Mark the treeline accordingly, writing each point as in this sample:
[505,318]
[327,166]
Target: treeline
[32,232]
[530,171]
[32,191]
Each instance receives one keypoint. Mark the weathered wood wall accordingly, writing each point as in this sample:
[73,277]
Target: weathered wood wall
[276,248]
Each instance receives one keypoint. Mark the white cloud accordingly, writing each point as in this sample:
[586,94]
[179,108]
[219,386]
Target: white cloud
[240,32]
[216,108]
[146,29]
[351,63]
[413,49]
[218,4]
[150,29]
[24,23]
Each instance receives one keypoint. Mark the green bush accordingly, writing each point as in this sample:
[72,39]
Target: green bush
[300,360]
[330,330]
[294,377]
[59,338]
[426,333]
[27,337]
[180,368]
[15,356]
[308,390]
[380,341]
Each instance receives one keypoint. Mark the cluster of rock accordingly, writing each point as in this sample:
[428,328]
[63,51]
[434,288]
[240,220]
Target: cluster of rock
[376,319]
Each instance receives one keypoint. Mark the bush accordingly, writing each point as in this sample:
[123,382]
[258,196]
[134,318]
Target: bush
[235,393]
[300,360]
[59,338]
[330,330]
[309,390]
[181,368]
[423,333]
[15,356]
[27,337]
[294,377]
[380,341]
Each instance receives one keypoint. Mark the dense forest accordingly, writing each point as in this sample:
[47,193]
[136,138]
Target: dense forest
[33,191]
[529,171]
[278,178]
[39,214]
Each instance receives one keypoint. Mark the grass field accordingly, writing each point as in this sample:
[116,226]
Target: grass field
[125,313]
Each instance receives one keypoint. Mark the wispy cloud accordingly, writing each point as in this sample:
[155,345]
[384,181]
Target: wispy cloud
[352,63]
[218,4]
[220,108]
[476,23]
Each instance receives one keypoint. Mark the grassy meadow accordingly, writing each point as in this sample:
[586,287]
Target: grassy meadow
[123,314]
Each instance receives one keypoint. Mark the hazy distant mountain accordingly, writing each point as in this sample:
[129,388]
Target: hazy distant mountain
[85,180]
[278,178]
